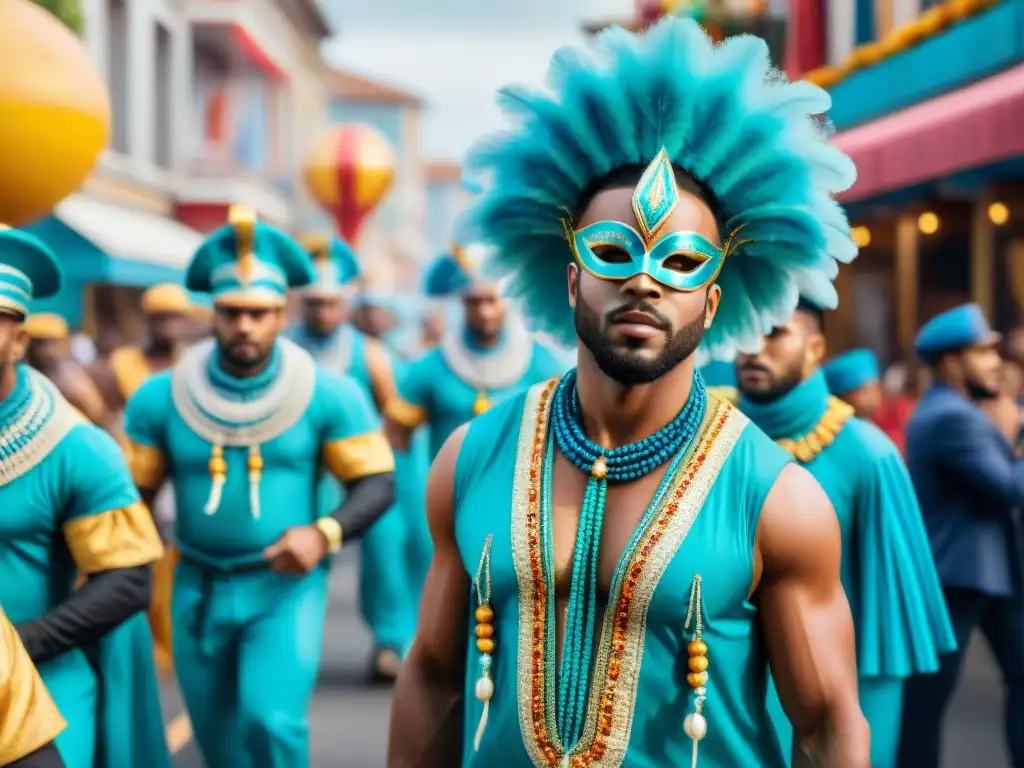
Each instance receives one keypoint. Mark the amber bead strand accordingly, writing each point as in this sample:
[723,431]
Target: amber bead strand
[484,636]
[696,725]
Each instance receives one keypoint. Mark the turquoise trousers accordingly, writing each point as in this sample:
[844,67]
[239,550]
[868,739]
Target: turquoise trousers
[247,651]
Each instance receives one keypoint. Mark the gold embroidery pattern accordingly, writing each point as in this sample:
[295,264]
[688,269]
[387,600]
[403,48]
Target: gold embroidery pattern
[804,449]
[612,702]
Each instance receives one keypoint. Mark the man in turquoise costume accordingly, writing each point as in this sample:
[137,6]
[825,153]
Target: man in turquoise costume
[70,508]
[387,599]
[662,193]
[887,568]
[855,377]
[243,424]
[486,358]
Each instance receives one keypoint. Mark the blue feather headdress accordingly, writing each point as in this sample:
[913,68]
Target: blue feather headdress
[724,115]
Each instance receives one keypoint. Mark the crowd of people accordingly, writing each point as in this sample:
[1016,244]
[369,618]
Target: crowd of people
[706,543]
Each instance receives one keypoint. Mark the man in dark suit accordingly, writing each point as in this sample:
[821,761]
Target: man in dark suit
[971,490]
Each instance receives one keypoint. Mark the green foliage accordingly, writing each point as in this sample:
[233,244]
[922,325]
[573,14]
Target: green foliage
[68,11]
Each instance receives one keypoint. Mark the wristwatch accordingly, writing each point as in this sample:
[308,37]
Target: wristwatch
[331,529]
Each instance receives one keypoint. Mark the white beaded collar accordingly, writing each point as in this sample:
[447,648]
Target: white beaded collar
[223,421]
[494,370]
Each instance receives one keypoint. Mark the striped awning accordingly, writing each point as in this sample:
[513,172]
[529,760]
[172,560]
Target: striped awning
[968,128]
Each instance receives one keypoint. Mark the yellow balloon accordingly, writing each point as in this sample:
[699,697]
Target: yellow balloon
[56,112]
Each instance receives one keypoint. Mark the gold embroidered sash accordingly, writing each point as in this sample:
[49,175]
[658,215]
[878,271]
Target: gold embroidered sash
[616,674]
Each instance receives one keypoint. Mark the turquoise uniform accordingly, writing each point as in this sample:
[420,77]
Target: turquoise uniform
[246,456]
[70,507]
[887,570]
[456,381]
[247,641]
[388,595]
[709,529]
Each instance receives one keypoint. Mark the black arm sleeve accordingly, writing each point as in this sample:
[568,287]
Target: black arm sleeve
[107,599]
[46,756]
[367,499]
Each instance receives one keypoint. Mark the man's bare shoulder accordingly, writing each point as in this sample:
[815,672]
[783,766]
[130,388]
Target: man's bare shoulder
[798,524]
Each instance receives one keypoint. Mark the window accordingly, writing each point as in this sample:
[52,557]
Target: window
[163,146]
[117,72]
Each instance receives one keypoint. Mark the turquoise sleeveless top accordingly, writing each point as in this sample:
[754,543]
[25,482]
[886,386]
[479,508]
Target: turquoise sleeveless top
[639,696]
[888,572]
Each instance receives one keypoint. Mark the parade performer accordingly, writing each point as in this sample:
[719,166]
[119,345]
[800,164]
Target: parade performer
[29,720]
[971,488]
[684,190]
[49,352]
[855,377]
[387,599]
[887,569]
[242,425]
[486,358]
[70,508]
[169,313]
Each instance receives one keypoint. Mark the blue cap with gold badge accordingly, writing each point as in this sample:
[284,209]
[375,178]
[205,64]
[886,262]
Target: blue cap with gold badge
[248,263]
[954,329]
[28,270]
[851,370]
[335,264]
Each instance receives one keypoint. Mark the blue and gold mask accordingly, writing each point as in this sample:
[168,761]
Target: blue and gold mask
[612,250]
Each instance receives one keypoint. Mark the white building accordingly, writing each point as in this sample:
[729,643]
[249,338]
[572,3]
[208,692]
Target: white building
[212,103]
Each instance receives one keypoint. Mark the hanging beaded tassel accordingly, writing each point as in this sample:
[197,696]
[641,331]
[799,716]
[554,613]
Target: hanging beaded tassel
[484,637]
[623,464]
[696,725]
[219,472]
[255,465]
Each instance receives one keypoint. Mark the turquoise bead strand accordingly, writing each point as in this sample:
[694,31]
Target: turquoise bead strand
[622,464]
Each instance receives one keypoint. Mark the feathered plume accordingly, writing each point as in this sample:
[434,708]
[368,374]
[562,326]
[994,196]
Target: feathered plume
[723,114]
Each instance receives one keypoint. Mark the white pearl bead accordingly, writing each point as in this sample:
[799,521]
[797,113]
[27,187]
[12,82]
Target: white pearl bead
[484,688]
[696,726]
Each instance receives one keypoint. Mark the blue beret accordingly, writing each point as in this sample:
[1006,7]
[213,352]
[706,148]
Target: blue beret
[851,370]
[954,329]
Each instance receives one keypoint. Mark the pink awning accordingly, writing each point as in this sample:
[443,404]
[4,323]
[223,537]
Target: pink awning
[974,126]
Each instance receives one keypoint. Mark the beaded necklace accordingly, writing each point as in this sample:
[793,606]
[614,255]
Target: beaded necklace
[623,464]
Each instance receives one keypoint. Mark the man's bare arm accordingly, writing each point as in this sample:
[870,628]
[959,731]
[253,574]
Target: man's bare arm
[426,717]
[385,391]
[807,624]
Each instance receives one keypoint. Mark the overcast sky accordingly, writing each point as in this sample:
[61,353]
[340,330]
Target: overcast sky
[456,53]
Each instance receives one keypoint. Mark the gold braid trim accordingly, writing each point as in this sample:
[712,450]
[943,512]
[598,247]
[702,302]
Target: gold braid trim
[804,449]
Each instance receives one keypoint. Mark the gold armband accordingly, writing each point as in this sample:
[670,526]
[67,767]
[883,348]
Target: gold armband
[352,458]
[331,529]
[404,413]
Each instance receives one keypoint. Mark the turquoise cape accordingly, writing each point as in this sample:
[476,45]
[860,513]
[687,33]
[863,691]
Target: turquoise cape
[888,571]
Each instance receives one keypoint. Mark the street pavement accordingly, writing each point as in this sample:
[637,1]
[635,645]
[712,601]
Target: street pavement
[349,719]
